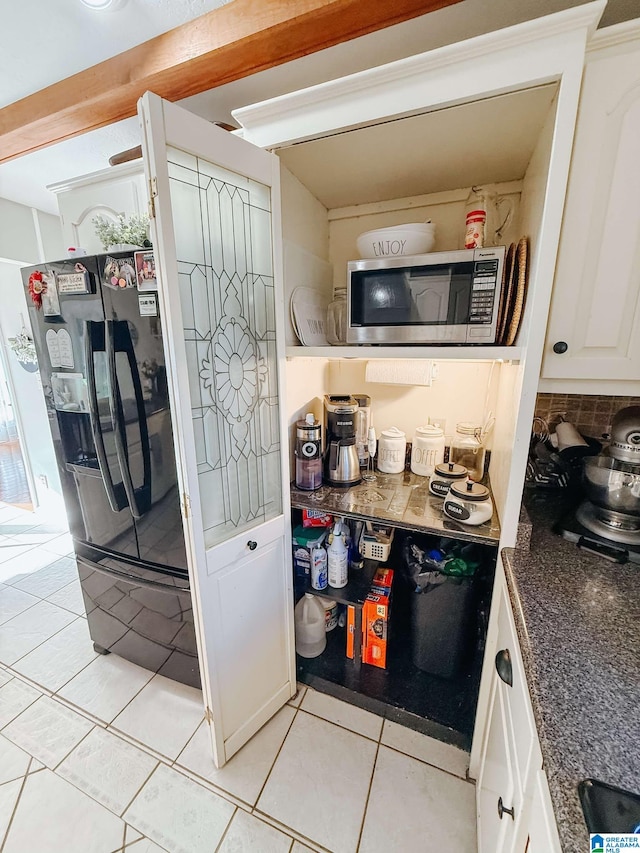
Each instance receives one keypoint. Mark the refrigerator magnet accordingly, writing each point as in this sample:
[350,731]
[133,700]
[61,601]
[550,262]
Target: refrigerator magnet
[148,305]
[119,272]
[74,282]
[146,278]
[49,295]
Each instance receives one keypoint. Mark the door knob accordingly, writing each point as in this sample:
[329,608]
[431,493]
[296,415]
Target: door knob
[502,810]
[251,545]
[560,347]
[503,666]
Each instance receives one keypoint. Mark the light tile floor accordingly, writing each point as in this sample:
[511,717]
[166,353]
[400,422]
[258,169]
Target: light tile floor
[100,756]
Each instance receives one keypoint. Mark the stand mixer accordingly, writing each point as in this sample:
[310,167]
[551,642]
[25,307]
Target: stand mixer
[612,483]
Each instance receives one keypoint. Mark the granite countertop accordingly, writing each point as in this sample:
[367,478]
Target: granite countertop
[578,622]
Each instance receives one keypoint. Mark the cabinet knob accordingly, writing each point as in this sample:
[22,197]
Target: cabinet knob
[560,347]
[251,545]
[502,810]
[503,666]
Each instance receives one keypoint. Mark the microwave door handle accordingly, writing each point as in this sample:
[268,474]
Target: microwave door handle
[94,418]
[119,426]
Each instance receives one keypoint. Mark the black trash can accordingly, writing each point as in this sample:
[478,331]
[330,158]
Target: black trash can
[442,625]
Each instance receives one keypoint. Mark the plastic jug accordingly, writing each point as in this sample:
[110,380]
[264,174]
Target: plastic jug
[310,619]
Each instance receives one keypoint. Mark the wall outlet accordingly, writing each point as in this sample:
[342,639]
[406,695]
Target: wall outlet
[42,478]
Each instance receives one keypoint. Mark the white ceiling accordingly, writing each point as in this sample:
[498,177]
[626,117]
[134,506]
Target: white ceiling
[68,37]
[44,41]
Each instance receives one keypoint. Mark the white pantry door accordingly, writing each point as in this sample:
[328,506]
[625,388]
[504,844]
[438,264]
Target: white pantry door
[215,224]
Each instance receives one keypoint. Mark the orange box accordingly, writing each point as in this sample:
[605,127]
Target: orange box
[351,629]
[375,619]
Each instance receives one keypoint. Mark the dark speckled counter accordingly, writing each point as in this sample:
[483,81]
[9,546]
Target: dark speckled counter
[578,622]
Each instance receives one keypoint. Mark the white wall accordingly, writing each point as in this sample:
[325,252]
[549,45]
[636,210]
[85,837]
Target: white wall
[462,391]
[445,209]
[51,235]
[305,243]
[20,240]
[27,391]
[27,236]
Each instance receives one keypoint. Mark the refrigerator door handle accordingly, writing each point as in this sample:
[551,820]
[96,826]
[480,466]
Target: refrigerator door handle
[139,499]
[134,579]
[117,504]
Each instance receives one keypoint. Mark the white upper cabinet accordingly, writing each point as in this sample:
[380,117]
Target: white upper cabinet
[109,193]
[344,141]
[594,327]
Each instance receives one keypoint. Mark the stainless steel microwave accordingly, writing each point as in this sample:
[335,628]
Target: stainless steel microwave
[439,298]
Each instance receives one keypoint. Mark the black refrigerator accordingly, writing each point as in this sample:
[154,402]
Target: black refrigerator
[98,337]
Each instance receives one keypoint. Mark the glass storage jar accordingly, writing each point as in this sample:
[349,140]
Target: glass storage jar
[467,449]
[337,317]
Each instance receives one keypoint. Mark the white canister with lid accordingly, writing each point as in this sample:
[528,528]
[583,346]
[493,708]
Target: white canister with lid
[443,477]
[469,503]
[427,450]
[392,449]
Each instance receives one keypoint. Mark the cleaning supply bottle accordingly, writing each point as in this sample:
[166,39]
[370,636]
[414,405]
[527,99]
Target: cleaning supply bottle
[310,618]
[338,557]
[319,567]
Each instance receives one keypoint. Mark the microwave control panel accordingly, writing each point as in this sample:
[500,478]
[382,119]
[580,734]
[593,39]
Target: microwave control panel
[483,291]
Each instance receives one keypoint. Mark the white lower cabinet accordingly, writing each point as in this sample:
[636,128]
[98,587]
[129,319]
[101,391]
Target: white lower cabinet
[251,578]
[496,783]
[543,833]
[514,810]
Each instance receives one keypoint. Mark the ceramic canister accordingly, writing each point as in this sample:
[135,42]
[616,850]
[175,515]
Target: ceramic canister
[392,448]
[469,503]
[427,450]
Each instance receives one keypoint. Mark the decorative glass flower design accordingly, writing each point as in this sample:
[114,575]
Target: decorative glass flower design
[234,371]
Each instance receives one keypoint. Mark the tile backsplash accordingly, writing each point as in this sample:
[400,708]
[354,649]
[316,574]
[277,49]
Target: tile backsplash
[591,414]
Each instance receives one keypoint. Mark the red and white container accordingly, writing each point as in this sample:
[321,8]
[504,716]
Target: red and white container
[475,229]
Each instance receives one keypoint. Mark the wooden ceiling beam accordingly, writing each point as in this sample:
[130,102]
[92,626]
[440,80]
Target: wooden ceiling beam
[233,41]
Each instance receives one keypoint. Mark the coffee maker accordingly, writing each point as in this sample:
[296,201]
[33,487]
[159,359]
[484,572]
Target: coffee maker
[341,465]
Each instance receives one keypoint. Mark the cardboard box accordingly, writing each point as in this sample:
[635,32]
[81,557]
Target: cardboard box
[316,518]
[375,619]
[351,629]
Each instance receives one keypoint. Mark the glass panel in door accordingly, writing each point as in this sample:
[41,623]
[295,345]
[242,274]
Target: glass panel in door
[222,225]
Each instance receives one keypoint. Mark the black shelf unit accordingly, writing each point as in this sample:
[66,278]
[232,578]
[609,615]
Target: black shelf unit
[443,708]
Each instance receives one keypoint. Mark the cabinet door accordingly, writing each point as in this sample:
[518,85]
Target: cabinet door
[496,782]
[216,211]
[123,194]
[523,737]
[595,308]
[251,646]
[543,833]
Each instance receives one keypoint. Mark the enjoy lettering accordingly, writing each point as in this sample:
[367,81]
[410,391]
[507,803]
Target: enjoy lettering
[383,248]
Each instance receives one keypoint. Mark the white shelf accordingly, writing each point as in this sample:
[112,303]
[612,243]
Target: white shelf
[437,353]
